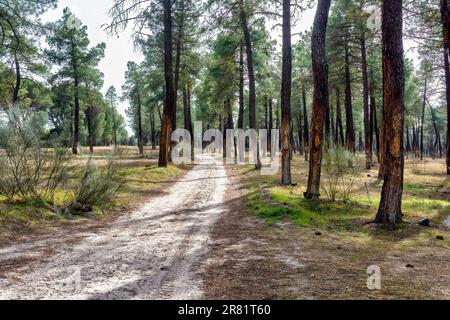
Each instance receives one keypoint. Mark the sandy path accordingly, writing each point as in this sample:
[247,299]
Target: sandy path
[147,254]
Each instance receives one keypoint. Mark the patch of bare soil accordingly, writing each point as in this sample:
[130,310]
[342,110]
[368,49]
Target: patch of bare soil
[250,259]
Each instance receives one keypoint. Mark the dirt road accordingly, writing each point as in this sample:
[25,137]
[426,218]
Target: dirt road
[147,254]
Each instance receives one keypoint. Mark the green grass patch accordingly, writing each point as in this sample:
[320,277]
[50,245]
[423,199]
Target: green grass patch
[425,205]
[415,188]
[19,218]
[286,202]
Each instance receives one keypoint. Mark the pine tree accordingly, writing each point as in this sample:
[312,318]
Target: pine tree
[69,49]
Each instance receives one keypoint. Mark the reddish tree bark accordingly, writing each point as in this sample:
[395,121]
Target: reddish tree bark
[320,97]
[389,211]
[169,99]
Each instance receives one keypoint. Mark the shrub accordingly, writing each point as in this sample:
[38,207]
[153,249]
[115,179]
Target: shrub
[340,174]
[97,187]
[27,171]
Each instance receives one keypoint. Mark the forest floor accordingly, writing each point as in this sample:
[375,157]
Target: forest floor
[273,244]
[145,254]
[226,232]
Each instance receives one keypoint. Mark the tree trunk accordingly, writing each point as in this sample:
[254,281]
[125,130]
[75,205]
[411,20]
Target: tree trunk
[153,129]
[408,141]
[371,126]
[76,124]
[269,131]
[240,123]
[266,112]
[327,127]
[339,126]
[251,78]
[228,121]
[277,120]
[89,121]
[350,131]
[437,143]
[178,64]
[17,85]
[320,97]
[360,141]
[140,133]
[389,211]
[333,128]
[373,123]
[445,15]
[367,136]
[160,115]
[178,48]
[113,111]
[169,100]
[292,138]
[286,84]
[424,102]
[300,130]
[376,129]
[187,110]
[305,124]
[382,135]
